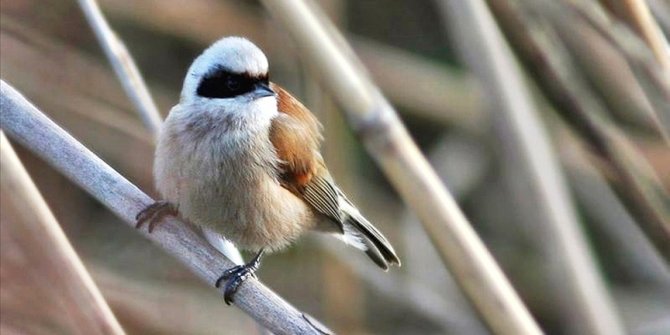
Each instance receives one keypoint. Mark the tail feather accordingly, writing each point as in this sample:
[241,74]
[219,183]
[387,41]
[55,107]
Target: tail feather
[374,254]
[378,247]
[324,196]
[377,244]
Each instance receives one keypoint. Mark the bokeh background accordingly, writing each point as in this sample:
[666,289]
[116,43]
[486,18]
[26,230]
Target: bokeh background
[50,54]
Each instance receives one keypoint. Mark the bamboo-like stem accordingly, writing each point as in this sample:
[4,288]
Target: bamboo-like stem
[525,140]
[135,87]
[571,96]
[641,19]
[342,290]
[390,67]
[652,76]
[602,205]
[567,90]
[378,126]
[63,269]
[123,65]
[32,129]
[106,127]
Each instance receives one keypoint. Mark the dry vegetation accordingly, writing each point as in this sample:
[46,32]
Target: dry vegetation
[548,122]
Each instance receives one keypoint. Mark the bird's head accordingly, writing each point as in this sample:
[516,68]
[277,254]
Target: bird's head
[231,73]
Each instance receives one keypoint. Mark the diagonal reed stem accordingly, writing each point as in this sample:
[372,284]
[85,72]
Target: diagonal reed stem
[525,140]
[28,126]
[136,89]
[377,125]
[39,236]
[124,66]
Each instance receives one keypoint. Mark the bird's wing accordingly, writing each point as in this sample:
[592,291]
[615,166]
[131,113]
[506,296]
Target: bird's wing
[295,134]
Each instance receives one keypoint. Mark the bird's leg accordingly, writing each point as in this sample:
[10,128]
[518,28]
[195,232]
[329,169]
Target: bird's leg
[154,213]
[236,275]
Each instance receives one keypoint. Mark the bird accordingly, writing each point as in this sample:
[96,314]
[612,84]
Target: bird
[239,157]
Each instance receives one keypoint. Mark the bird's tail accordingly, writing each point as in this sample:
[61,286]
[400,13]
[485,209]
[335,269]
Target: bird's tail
[377,247]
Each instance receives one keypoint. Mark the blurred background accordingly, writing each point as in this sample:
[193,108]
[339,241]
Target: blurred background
[49,53]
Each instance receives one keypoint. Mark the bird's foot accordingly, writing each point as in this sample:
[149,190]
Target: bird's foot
[235,276]
[154,213]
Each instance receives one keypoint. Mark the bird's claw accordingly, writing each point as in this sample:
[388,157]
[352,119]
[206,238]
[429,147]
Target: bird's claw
[234,277]
[154,213]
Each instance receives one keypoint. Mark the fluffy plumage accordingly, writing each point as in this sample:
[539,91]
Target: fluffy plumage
[247,166]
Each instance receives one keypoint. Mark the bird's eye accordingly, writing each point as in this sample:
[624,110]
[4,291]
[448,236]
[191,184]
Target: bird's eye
[233,83]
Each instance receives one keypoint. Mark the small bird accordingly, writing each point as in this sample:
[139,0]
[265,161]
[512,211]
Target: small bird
[239,157]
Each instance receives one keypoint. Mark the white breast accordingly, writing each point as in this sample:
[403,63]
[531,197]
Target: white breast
[220,170]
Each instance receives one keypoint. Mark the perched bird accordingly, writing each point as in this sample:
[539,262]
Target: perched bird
[239,157]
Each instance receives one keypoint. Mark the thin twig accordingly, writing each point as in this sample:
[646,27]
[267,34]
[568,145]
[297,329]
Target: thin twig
[379,128]
[551,65]
[135,88]
[42,237]
[525,141]
[609,215]
[123,65]
[32,129]
[637,182]
[651,75]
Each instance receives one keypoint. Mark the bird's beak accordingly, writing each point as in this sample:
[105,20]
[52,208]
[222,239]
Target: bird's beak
[262,90]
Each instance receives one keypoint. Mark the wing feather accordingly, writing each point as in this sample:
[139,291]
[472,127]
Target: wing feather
[295,134]
[322,195]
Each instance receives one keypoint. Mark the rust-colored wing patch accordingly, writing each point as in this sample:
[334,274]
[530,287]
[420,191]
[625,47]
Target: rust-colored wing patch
[295,134]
